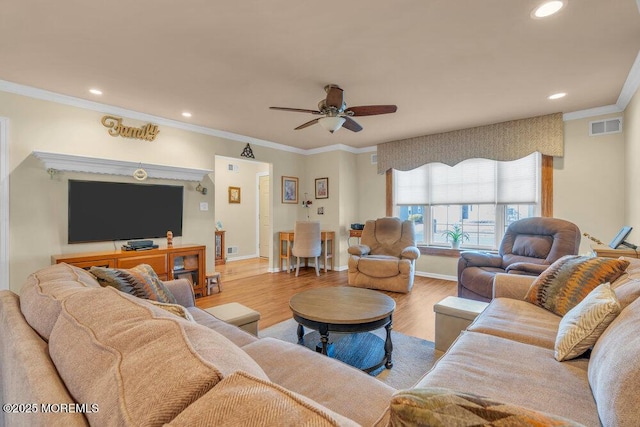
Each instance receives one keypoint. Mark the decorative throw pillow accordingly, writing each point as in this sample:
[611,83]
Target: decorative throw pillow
[441,407]
[570,279]
[176,309]
[140,281]
[581,327]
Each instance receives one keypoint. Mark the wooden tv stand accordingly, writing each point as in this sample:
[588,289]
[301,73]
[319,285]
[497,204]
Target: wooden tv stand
[176,262]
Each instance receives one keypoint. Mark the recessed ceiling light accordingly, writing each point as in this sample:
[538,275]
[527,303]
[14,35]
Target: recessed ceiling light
[548,8]
[95,91]
[557,95]
[186,114]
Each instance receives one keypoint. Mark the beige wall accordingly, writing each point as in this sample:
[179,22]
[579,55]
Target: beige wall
[38,204]
[632,167]
[589,183]
[239,220]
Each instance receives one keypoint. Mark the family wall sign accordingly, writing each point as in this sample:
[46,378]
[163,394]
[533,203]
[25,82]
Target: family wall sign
[147,132]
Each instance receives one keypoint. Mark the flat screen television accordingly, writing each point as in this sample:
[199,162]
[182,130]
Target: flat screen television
[109,211]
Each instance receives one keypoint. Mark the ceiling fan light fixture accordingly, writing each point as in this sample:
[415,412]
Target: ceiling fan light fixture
[332,124]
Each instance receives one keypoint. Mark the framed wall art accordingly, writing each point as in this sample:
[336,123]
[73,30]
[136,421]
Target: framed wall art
[289,189]
[234,194]
[322,188]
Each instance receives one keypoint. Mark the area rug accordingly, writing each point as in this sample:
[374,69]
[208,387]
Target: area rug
[412,357]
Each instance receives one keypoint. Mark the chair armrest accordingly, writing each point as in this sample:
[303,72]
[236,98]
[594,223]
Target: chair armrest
[526,268]
[513,286]
[410,252]
[359,250]
[481,259]
[182,291]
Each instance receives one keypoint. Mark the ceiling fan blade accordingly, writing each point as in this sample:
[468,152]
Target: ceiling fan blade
[334,97]
[372,110]
[309,123]
[297,110]
[351,124]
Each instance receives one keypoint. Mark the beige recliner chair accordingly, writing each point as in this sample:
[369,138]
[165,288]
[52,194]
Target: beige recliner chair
[385,257]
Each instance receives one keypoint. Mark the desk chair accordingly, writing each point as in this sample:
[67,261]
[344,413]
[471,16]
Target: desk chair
[307,243]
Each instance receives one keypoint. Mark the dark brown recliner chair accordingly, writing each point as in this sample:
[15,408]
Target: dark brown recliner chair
[529,246]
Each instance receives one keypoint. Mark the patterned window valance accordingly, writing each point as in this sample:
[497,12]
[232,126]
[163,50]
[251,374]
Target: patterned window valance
[501,141]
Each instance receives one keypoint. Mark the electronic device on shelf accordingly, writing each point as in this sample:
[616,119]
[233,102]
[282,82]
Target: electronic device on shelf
[139,245]
[619,240]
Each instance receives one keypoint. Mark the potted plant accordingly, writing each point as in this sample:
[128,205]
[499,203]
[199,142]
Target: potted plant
[456,235]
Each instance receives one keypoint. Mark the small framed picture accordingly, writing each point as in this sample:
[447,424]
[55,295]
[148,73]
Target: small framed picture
[234,194]
[322,188]
[289,189]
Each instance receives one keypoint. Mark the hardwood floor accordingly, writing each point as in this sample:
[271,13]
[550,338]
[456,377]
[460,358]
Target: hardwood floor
[248,282]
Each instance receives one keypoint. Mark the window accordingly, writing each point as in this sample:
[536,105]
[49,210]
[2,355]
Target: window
[482,196]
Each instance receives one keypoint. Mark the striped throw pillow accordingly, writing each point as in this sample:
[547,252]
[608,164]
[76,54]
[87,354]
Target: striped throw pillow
[570,279]
[581,327]
[140,281]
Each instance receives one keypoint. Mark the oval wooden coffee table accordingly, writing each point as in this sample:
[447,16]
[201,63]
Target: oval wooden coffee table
[347,310]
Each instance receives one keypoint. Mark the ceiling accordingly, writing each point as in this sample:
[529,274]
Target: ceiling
[446,64]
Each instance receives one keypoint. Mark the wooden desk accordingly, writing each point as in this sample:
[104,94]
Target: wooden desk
[607,251]
[286,240]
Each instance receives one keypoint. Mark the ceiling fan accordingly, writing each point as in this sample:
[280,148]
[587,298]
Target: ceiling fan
[336,113]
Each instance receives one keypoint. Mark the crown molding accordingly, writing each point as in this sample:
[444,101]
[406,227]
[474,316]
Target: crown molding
[73,163]
[46,95]
[591,112]
[631,84]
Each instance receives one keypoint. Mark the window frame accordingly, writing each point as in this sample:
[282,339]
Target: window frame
[546,203]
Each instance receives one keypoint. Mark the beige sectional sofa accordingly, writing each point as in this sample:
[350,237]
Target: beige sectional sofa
[73,353]
[507,353]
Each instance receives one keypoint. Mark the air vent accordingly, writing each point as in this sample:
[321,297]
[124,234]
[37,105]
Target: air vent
[374,159]
[232,250]
[604,127]
[232,168]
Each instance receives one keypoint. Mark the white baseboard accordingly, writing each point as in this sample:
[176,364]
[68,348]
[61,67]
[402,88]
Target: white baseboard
[437,276]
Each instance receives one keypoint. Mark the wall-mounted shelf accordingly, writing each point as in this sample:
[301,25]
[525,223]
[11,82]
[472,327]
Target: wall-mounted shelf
[74,163]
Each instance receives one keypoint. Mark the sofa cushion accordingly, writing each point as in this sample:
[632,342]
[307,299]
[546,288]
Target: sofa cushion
[43,292]
[441,407]
[516,373]
[379,265]
[27,374]
[614,369]
[140,281]
[570,279]
[244,400]
[141,363]
[176,309]
[581,327]
[519,321]
[335,385]
[627,291]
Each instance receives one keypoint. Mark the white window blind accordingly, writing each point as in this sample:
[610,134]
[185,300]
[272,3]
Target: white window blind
[473,181]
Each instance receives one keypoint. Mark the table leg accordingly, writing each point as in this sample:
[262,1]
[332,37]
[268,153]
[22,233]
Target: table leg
[300,333]
[388,346]
[324,337]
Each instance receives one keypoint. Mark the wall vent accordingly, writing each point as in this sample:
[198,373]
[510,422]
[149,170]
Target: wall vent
[605,127]
[374,159]
[232,250]
[232,168]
